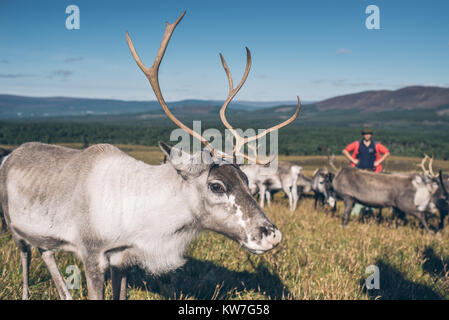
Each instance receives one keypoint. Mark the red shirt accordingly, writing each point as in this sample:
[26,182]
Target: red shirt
[354,148]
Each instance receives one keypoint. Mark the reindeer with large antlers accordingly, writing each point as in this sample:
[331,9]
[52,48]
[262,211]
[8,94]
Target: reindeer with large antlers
[115,212]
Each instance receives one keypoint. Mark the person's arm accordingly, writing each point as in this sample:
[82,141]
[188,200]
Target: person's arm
[381,159]
[385,155]
[348,156]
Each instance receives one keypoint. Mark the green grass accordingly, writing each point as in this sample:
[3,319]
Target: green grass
[317,259]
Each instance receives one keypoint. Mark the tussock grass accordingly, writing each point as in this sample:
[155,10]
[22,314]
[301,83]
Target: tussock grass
[316,259]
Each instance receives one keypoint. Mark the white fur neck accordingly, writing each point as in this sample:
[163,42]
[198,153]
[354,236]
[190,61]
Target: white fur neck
[149,209]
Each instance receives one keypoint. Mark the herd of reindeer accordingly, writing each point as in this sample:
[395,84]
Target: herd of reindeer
[417,194]
[115,212]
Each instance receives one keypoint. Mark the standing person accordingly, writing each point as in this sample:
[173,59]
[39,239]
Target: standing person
[366,155]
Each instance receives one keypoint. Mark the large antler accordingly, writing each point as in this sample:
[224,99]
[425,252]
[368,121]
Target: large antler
[331,160]
[422,164]
[152,75]
[429,172]
[432,174]
[239,140]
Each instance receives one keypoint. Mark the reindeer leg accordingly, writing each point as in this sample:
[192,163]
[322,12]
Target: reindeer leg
[423,218]
[290,198]
[288,192]
[294,192]
[119,284]
[379,216]
[49,258]
[25,257]
[268,196]
[94,277]
[334,209]
[349,203]
[443,214]
[262,190]
[399,214]
[300,192]
[2,217]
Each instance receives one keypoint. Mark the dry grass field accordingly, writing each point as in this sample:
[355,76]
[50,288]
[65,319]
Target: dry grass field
[317,258]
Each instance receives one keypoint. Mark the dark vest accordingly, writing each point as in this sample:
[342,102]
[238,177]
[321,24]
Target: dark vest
[366,155]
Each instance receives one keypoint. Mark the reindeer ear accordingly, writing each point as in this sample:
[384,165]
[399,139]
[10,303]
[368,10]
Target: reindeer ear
[418,180]
[296,169]
[166,149]
[186,165]
[173,154]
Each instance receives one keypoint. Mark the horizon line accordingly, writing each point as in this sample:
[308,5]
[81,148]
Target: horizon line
[306,101]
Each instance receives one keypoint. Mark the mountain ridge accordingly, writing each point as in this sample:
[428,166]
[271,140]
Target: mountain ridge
[374,101]
[17,106]
[407,98]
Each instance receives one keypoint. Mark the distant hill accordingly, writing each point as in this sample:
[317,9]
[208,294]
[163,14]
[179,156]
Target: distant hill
[426,108]
[13,106]
[408,98]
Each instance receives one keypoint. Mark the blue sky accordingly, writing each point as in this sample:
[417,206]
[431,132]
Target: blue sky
[314,49]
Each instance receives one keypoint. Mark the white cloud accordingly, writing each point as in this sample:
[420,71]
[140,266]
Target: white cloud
[73,59]
[349,83]
[15,75]
[344,51]
[60,74]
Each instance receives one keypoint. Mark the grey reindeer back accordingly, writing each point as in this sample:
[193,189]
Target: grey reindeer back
[59,171]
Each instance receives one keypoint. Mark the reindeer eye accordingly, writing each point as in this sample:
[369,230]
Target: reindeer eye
[216,188]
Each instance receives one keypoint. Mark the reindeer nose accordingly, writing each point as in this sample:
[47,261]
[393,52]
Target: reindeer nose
[271,238]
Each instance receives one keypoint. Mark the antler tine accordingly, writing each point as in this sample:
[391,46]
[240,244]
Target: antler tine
[239,141]
[331,159]
[331,163]
[233,91]
[432,174]
[423,161]
[242,140]
[152,75]
[277,127]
